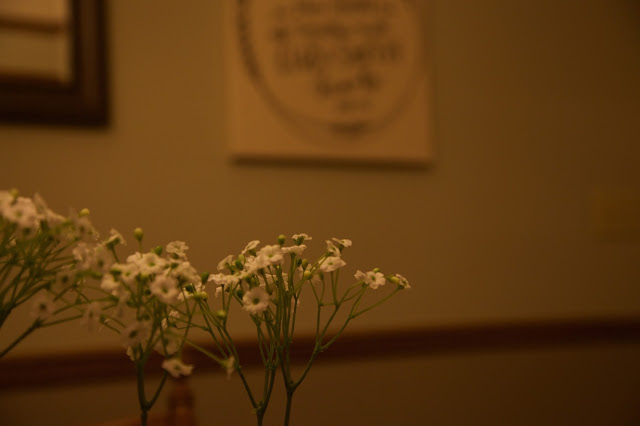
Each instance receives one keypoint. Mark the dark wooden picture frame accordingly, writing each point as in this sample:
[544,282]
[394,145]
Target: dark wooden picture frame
[83,100]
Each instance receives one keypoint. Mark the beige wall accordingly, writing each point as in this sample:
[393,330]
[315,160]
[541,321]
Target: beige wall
[536,108]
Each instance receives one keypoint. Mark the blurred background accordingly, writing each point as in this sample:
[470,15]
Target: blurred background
[529,211]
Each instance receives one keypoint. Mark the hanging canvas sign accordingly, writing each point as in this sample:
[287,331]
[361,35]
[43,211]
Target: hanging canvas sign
[327,79]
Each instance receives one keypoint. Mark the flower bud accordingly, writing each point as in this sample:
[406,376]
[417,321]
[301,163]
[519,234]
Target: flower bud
[304,263]
[281,239]
[204,277]
[14,192]
[376,270]
[190,288]
[221,314]
[394,280]
[157,250]
[84,212]
[238,264]
[200,295]
[138,233]
[307,275]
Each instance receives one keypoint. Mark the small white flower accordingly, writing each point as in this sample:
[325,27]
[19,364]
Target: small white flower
[301,237]
[43,306]
[230,366]
[176,367]
[269,255]
[371,278]
[223,263]
[255,300]
[115,238]
[23,212]
[65,278]
[402,281]
[223,279]
[5,200]
[331,248]
[251,246]
[294,249]
[177,249]
[165,289]
[109,284]
[127,272]
[123,297]
[172,315]
[82,226]
[132,354]
[150,263]
[187,273]
[331,263]
[52,218]
[135,333]
[218,292]
[101,259]
[342,242]
[91,316]
[314,278]
[168,344]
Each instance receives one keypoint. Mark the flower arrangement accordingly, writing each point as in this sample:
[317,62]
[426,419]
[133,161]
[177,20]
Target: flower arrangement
[37,262]
[153,299]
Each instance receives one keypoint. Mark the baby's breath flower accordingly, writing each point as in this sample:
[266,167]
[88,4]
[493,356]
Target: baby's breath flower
[177,249]
[176,367]
[114,239]
[223,263]
[22,212]
[82,225]
[91,316]
[402,281]
[168,344]
[300,238]
[165,289]
[187,273]
[269,255]
[230,366]
[148,263]
[343,242]
[331,263]
[255,300]
[65,278]
[332,249]
[373,279]
[173,314]
[135,333]
[294,249]
[43,306]
[251,246]
[224,279]
[132,354]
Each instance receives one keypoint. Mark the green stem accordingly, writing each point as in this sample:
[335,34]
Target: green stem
[142,402]
[287,413]
[159,389]
[33,327]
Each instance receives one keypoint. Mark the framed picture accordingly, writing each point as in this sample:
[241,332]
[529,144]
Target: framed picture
[327,80]
[53,63]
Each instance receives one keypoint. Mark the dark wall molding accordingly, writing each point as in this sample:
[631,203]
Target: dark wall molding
[105,365]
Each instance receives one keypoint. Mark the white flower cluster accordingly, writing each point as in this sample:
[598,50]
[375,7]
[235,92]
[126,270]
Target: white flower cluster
[30,215]
[35,243]
[148,298]
[256,275]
